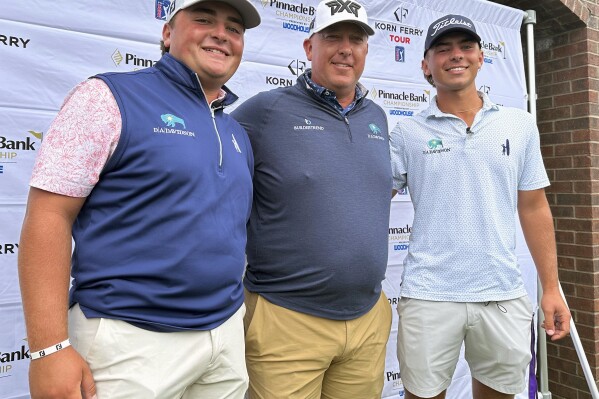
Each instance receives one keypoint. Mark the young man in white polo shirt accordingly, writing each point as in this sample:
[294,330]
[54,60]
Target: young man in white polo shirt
[470,166]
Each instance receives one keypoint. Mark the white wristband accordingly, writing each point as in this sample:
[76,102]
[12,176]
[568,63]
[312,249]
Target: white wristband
[50,350]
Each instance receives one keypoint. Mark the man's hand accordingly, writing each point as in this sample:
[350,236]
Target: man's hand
[557,315]
[62,375]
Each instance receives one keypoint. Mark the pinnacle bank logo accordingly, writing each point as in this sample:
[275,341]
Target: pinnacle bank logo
[9,149]
[493,51]
[395,377]
[400,235]
[296,17]
[401,103]
[131,59]
[7,358]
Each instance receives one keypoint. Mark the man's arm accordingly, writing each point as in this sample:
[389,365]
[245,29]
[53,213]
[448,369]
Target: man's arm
[537,226]
[44,271]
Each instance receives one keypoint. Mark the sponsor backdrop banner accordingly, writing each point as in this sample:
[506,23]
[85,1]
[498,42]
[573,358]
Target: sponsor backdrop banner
[48,47]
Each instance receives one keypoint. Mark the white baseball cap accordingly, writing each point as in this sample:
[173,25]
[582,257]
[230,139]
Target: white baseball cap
[249,14]
[329,12]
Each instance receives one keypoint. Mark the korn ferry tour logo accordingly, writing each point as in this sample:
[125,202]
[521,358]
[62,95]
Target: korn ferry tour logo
[400,31]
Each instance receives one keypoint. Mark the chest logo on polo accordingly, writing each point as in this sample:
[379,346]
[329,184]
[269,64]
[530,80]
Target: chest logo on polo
[435,146]
[308,125]
[173,125]
[506,148]
[376,132]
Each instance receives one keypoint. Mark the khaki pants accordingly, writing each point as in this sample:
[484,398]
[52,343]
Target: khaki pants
[129,362]
[294,355]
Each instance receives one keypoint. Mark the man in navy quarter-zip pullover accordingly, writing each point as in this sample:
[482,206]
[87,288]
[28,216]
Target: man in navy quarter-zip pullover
[153,181]
[317,322]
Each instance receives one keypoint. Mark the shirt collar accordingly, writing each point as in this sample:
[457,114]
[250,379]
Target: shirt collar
[433,109]
[330,96]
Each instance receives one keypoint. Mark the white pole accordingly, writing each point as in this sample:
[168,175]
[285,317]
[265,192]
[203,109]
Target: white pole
[530,19]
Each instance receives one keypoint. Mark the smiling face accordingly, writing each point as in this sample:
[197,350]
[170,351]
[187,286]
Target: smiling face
[208,38]
[338,55]
[453,62]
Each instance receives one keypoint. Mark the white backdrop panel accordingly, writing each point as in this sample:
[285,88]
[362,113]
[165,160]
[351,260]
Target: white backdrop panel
[47,48]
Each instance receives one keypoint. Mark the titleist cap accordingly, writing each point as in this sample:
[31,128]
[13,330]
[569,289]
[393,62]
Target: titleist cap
[447,24]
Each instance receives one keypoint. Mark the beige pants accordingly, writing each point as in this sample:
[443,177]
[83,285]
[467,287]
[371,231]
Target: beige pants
[130,362]
[291,355]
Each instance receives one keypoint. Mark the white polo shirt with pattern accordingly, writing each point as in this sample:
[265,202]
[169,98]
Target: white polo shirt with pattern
[464,185]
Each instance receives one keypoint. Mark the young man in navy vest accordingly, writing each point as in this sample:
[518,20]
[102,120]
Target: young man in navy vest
[154,183]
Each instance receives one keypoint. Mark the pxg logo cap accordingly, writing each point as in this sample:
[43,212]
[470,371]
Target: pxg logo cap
[329,12]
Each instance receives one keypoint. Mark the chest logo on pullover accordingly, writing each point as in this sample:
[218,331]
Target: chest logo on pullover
[307,126]
[376,132]
[235,144]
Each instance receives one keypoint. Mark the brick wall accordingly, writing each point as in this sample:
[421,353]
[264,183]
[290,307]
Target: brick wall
[567,65]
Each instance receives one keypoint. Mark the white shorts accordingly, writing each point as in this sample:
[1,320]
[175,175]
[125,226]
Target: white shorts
[130,362]
[496,336]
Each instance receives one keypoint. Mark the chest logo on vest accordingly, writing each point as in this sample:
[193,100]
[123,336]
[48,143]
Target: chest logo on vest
[172,120]
[435,146]
[174,125]
[375,132]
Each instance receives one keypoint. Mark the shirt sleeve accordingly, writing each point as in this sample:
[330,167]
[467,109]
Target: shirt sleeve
[398,161]
[534,175]
[79,141]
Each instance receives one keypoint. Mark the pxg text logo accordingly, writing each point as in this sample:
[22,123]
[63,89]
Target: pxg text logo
[338,6]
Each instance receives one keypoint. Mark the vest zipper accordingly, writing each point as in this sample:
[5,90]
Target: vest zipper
[220,143]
